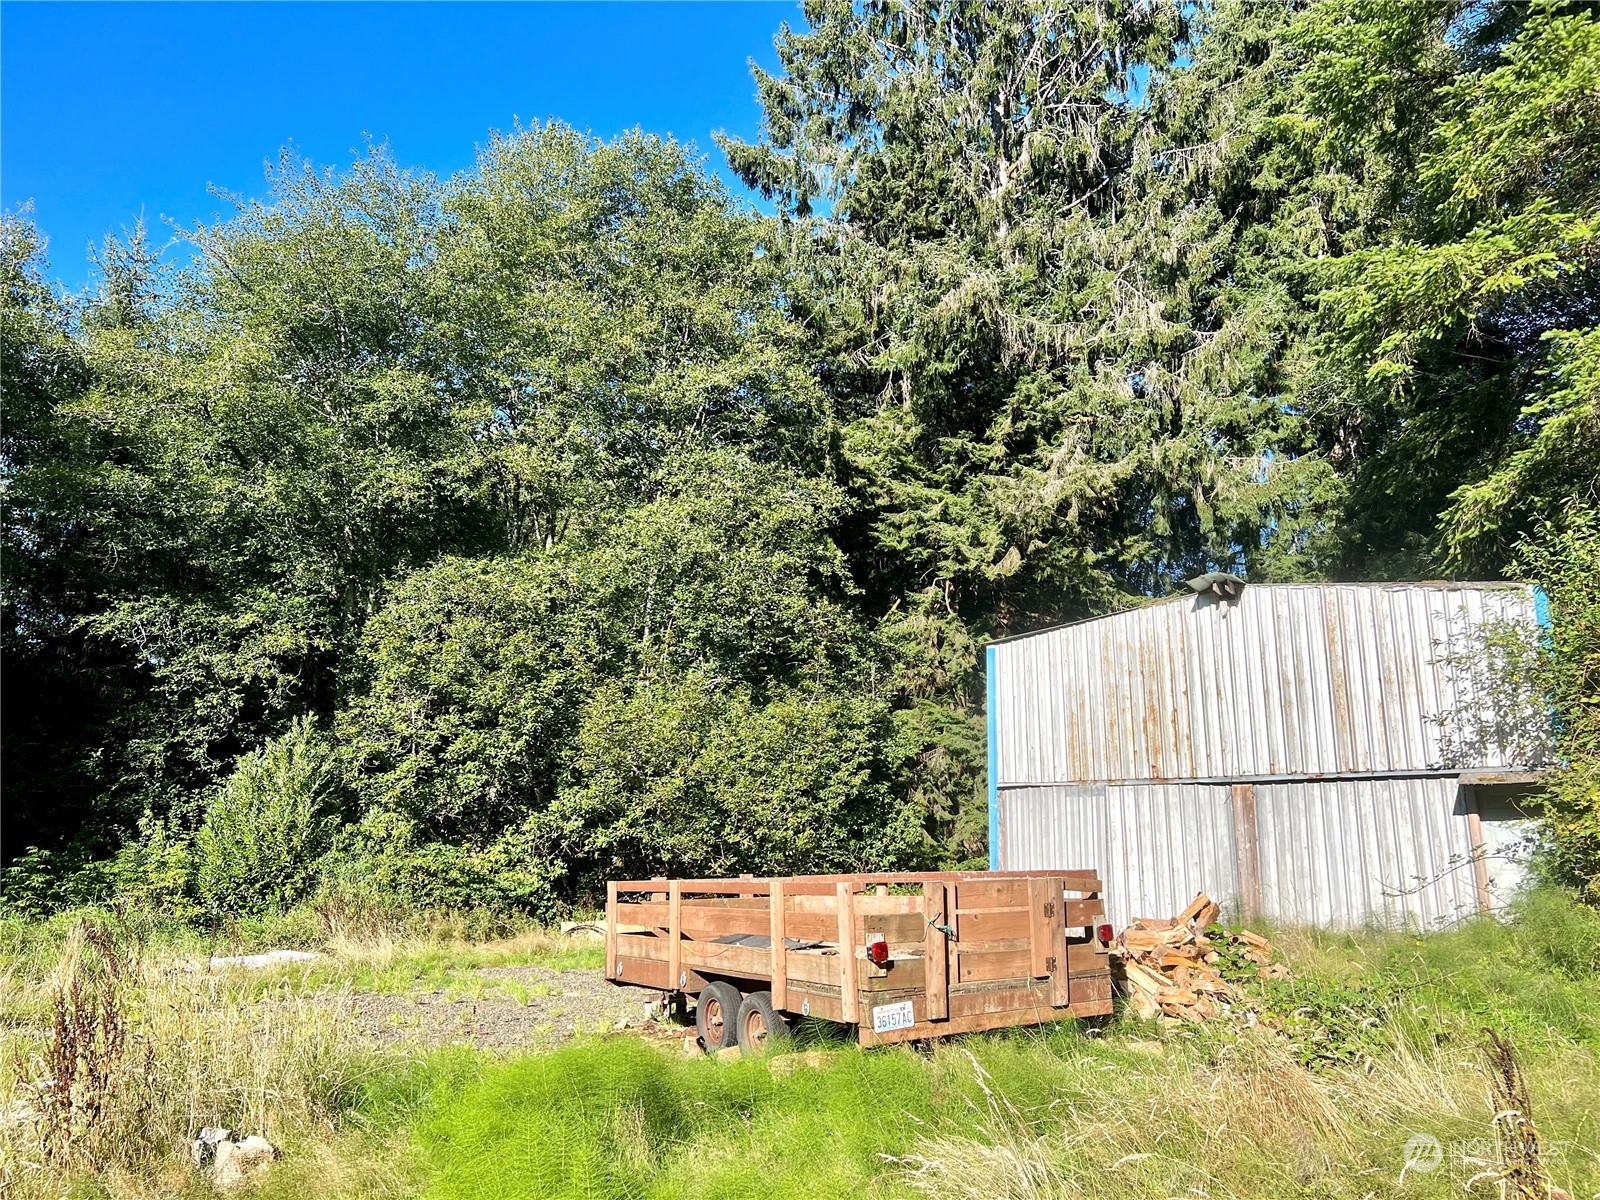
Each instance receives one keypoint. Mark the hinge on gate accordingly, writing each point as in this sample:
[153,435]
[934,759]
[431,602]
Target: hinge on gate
[1049,908]
[1050,965]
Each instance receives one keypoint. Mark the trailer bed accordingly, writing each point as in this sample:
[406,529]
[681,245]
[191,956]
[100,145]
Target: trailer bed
[966,951]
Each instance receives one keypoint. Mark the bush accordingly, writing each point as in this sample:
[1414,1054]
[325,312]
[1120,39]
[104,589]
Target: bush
[388,866]
[1566,560]
[259,847]
[694,776]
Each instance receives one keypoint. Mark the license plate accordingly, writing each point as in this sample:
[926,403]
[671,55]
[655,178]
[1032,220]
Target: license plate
[892,1016]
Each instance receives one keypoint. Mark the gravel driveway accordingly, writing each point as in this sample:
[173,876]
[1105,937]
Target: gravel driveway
[527,1008]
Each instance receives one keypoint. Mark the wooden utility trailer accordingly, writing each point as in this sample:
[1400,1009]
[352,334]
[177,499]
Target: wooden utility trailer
[902,955]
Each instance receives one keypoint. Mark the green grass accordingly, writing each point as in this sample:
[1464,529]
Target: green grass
[1026,1116]
[1376,1037]
[437,967]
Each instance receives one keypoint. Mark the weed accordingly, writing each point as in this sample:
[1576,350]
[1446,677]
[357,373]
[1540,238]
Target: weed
[90,1084]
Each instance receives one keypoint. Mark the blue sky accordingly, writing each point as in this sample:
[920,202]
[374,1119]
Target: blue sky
[108,109]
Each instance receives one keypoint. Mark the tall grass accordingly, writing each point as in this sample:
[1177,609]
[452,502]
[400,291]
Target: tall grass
[271,1052]
[1377,1038]
[1024,1117]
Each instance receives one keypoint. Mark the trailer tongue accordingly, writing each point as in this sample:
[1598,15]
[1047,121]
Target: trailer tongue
[901,955]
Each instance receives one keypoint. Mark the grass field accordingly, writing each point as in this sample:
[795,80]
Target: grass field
[1376,1039]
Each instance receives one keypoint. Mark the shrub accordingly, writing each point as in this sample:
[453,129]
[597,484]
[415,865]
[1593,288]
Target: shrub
[258,848]
[1566,560]
[696,776]
[387,867]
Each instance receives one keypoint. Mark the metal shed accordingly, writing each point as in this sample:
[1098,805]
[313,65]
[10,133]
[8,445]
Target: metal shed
[1331,754]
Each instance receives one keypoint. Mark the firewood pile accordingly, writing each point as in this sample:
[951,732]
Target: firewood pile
[1169,968]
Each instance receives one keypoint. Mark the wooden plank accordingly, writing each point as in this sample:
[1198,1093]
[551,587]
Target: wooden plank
[900,973]
[806,967]
[714,887]
[1081,914]
[649,972]
[862,904]
[848,998]
[1480,861]
[975,924]
[641,972]
[637,945]
[714,958]
[990,924]
[780,951]
[811,903]
[1091,989]
[823,885]
[993,945]
[1086,956]
[815,1000]
[898,929]
[976,1023]
[1041,908]
[695,919]
[985,966]
[812,927]
[992,893]
[1247,850]
[675,933]
[936,963]
[611,931]
[1023,994]
[1060,987]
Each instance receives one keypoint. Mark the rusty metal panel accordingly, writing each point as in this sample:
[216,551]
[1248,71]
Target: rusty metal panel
[1291,680]
[1155,845]
[1365,852]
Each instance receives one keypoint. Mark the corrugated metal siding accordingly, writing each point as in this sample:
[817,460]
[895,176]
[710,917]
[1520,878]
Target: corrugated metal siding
[1166,843]
[1155,845]
[1390,852]
[1315,679]
[1053,828]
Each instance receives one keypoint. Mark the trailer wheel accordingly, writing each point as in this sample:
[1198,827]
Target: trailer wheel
[715,1016]
[760,1025]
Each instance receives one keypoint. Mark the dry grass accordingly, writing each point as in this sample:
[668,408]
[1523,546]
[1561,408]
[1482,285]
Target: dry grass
[1248,1122]
[1208,1112]
[113,1053]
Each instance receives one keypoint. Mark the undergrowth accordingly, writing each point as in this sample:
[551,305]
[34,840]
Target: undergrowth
[1312,1089]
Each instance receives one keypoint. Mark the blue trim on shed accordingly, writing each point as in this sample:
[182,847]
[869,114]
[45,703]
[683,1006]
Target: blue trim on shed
[994,762]
[1541,608]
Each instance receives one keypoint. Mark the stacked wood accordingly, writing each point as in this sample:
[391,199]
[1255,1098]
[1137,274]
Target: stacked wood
[1168,967]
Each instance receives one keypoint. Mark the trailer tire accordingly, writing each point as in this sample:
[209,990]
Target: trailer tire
[760,1025]
[716,1015]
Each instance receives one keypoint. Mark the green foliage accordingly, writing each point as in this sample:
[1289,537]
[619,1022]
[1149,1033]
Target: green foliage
[388,861]
[1373,1040]
[688,777]
[265,831]
[1488,254]
[619,1118]
[478,670]
[605,525]
[1566,558]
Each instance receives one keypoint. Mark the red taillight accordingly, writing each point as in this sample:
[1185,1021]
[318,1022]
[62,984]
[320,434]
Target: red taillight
[1105,933]
[878,949]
